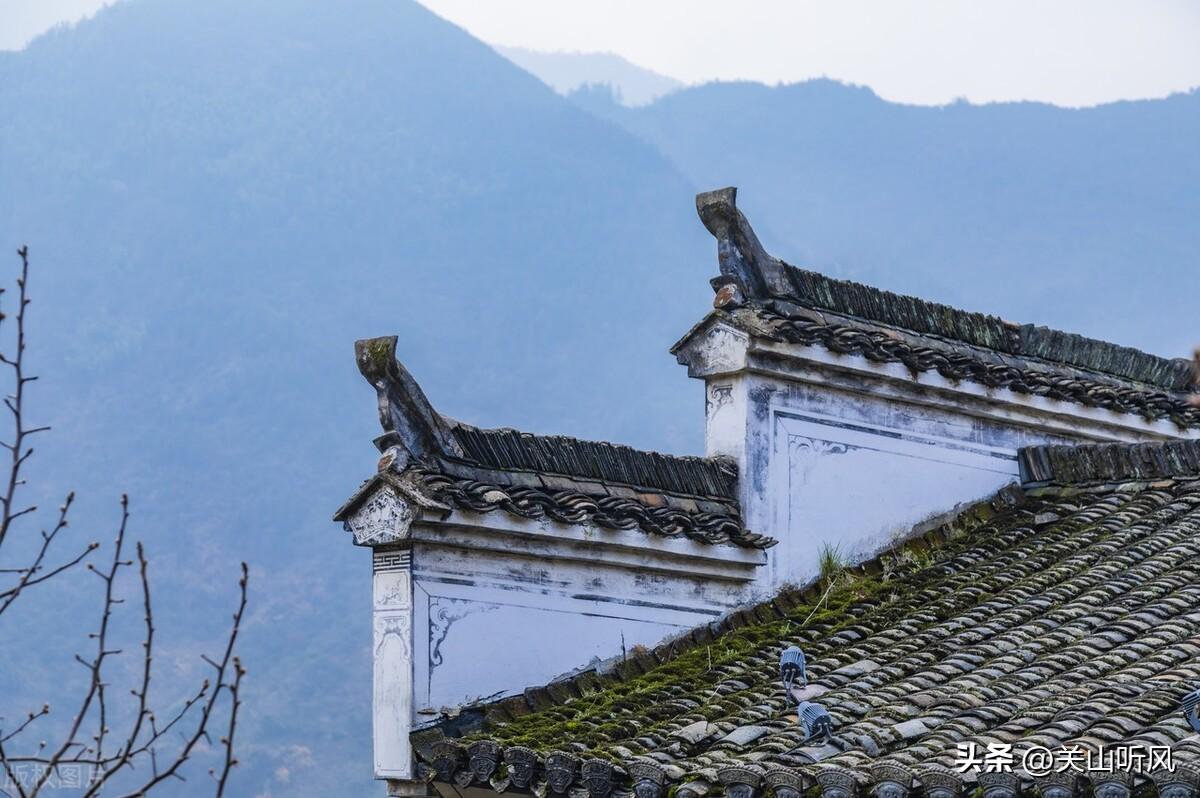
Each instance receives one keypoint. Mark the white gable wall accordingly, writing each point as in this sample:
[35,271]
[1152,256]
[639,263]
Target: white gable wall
[842,451]
[495,622]
[476,606]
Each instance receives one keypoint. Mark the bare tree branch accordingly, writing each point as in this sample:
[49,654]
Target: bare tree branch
[18,453]
[112,760]
[33,716]
[36,572]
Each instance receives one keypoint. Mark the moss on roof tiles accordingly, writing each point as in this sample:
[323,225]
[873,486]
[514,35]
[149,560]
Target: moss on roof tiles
[1082,608]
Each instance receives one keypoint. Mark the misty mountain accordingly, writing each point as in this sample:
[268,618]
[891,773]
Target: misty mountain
[219,198]
[1078,218]
[568,72]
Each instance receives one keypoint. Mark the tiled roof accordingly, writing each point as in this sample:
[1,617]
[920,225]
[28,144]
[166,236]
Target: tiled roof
[774,320]
[1054,617]
[511,450]
[454,465]
[578,482]
[817,291]
[590,498]
[779,301]
[1082,465]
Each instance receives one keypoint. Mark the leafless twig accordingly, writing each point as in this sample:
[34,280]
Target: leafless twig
[111,759]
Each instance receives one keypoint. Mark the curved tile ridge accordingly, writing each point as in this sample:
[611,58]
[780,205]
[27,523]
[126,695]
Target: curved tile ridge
[750,274]
[959,362]
[574,507]
[1109,462]
[1023,340]
[510,449]
[415,433]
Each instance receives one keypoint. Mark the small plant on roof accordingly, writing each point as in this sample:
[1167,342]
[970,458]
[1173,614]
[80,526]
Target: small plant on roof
[830,562]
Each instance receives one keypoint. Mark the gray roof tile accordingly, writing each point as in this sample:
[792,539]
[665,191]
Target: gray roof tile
[1082,630]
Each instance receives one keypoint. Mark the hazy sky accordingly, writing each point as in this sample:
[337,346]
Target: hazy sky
[1071,52]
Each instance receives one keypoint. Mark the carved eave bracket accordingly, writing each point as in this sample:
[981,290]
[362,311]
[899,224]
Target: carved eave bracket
[383,510]
[716,347]
[410,424]
[382,519]
[744,263]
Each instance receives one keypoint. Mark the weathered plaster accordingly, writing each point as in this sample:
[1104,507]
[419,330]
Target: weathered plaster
[483,605]
[843,451]
[392,664]
[503,608]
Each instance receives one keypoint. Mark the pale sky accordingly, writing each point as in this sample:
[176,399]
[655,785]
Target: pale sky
[1070,52]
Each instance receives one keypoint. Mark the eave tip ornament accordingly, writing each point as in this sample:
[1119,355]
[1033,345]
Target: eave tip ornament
[747,270]
[408,419]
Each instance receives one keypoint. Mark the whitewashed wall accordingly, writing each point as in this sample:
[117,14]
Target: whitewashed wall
[391,662]
[493,623]
[858,473]
[839,450]
[471,607]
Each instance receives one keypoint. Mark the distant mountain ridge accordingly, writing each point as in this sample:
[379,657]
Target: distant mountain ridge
[1076,218]
[632,85]
[219,198]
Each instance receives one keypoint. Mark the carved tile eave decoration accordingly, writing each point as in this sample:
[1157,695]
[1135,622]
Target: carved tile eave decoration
[891,780]
[611,512]
[1064,384]
[784,783]
[382,519]
[721,349]
[648,778]
[484,758]
[1182,781]
[598,778]
[522,763]
[739,781]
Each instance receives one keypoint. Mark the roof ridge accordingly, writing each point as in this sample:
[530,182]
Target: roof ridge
[418,433]
[1088,463]
[859,300]
[614,444]
[760,277]
[511,449]
[958,361]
